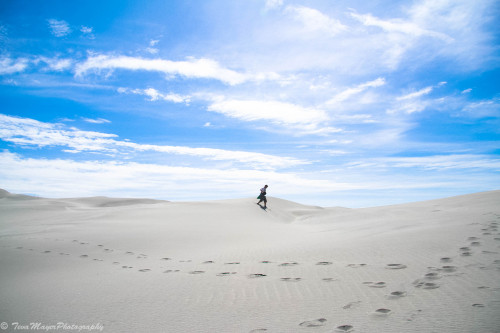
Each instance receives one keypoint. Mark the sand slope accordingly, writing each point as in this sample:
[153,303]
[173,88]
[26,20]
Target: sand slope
[136,265]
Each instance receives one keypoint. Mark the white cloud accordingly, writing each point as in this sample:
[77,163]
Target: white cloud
[155,95]
[277,112]
[10,66]
[314,20]
[399,26]
[87,32]
[466,91]
[96,121]
[191,68]
[272,4]
[415,94]
[413,102]
[59,28]
[29,132]
[437,162]
[152,50]
[56,64]
[483,108]
[348,93]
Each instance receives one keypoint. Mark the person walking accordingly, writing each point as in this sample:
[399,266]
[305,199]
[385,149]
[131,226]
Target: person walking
[262,196]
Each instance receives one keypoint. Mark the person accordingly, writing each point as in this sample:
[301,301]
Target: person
[262,196]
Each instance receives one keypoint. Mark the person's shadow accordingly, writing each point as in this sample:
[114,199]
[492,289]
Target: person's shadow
[262,207]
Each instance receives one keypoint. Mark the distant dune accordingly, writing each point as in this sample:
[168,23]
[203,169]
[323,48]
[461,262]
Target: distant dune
[140,265]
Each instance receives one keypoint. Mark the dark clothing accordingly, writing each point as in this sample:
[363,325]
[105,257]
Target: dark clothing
[262,195]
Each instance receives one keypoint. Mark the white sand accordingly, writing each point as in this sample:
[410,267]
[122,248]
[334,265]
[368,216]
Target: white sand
[229,266]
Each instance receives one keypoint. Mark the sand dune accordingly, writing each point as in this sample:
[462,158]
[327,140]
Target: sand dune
[138,265]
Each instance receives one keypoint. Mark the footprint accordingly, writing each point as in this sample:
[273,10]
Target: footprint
[196,272]
[116,263]
[396,294]
[432,276]
[382,312]
[226,273]
[108,250]
[144,270]
[395,266]
[97,259]
[472,238]
[287,264]
[266,262]
[209,262]
[324,263]
[19,248]
[425,285]
[127,267]
[256,275]
[288,279]
[232,263]
[259,330]
[46,251]
[449,269]
[356,265]
[344,328]
[475,243]
[313,323]
[64,254]
[129,253]
[446,259]
[351,305]
[478,305]
[375,284]
[165,259]
[329,279]
[84,256]
[171,271]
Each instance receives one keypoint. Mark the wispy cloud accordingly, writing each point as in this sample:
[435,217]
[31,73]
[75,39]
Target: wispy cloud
[300,119]
[55,64]
[87,32]
[315,21]
[155,95]
[10,66]
[399,26]
[29,132]
[96,121]
[59,28]
[413,102]
[191,68]
[435,162]
[415,94]
[348,93]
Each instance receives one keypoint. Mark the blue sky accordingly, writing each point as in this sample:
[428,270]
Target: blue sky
[344,103]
